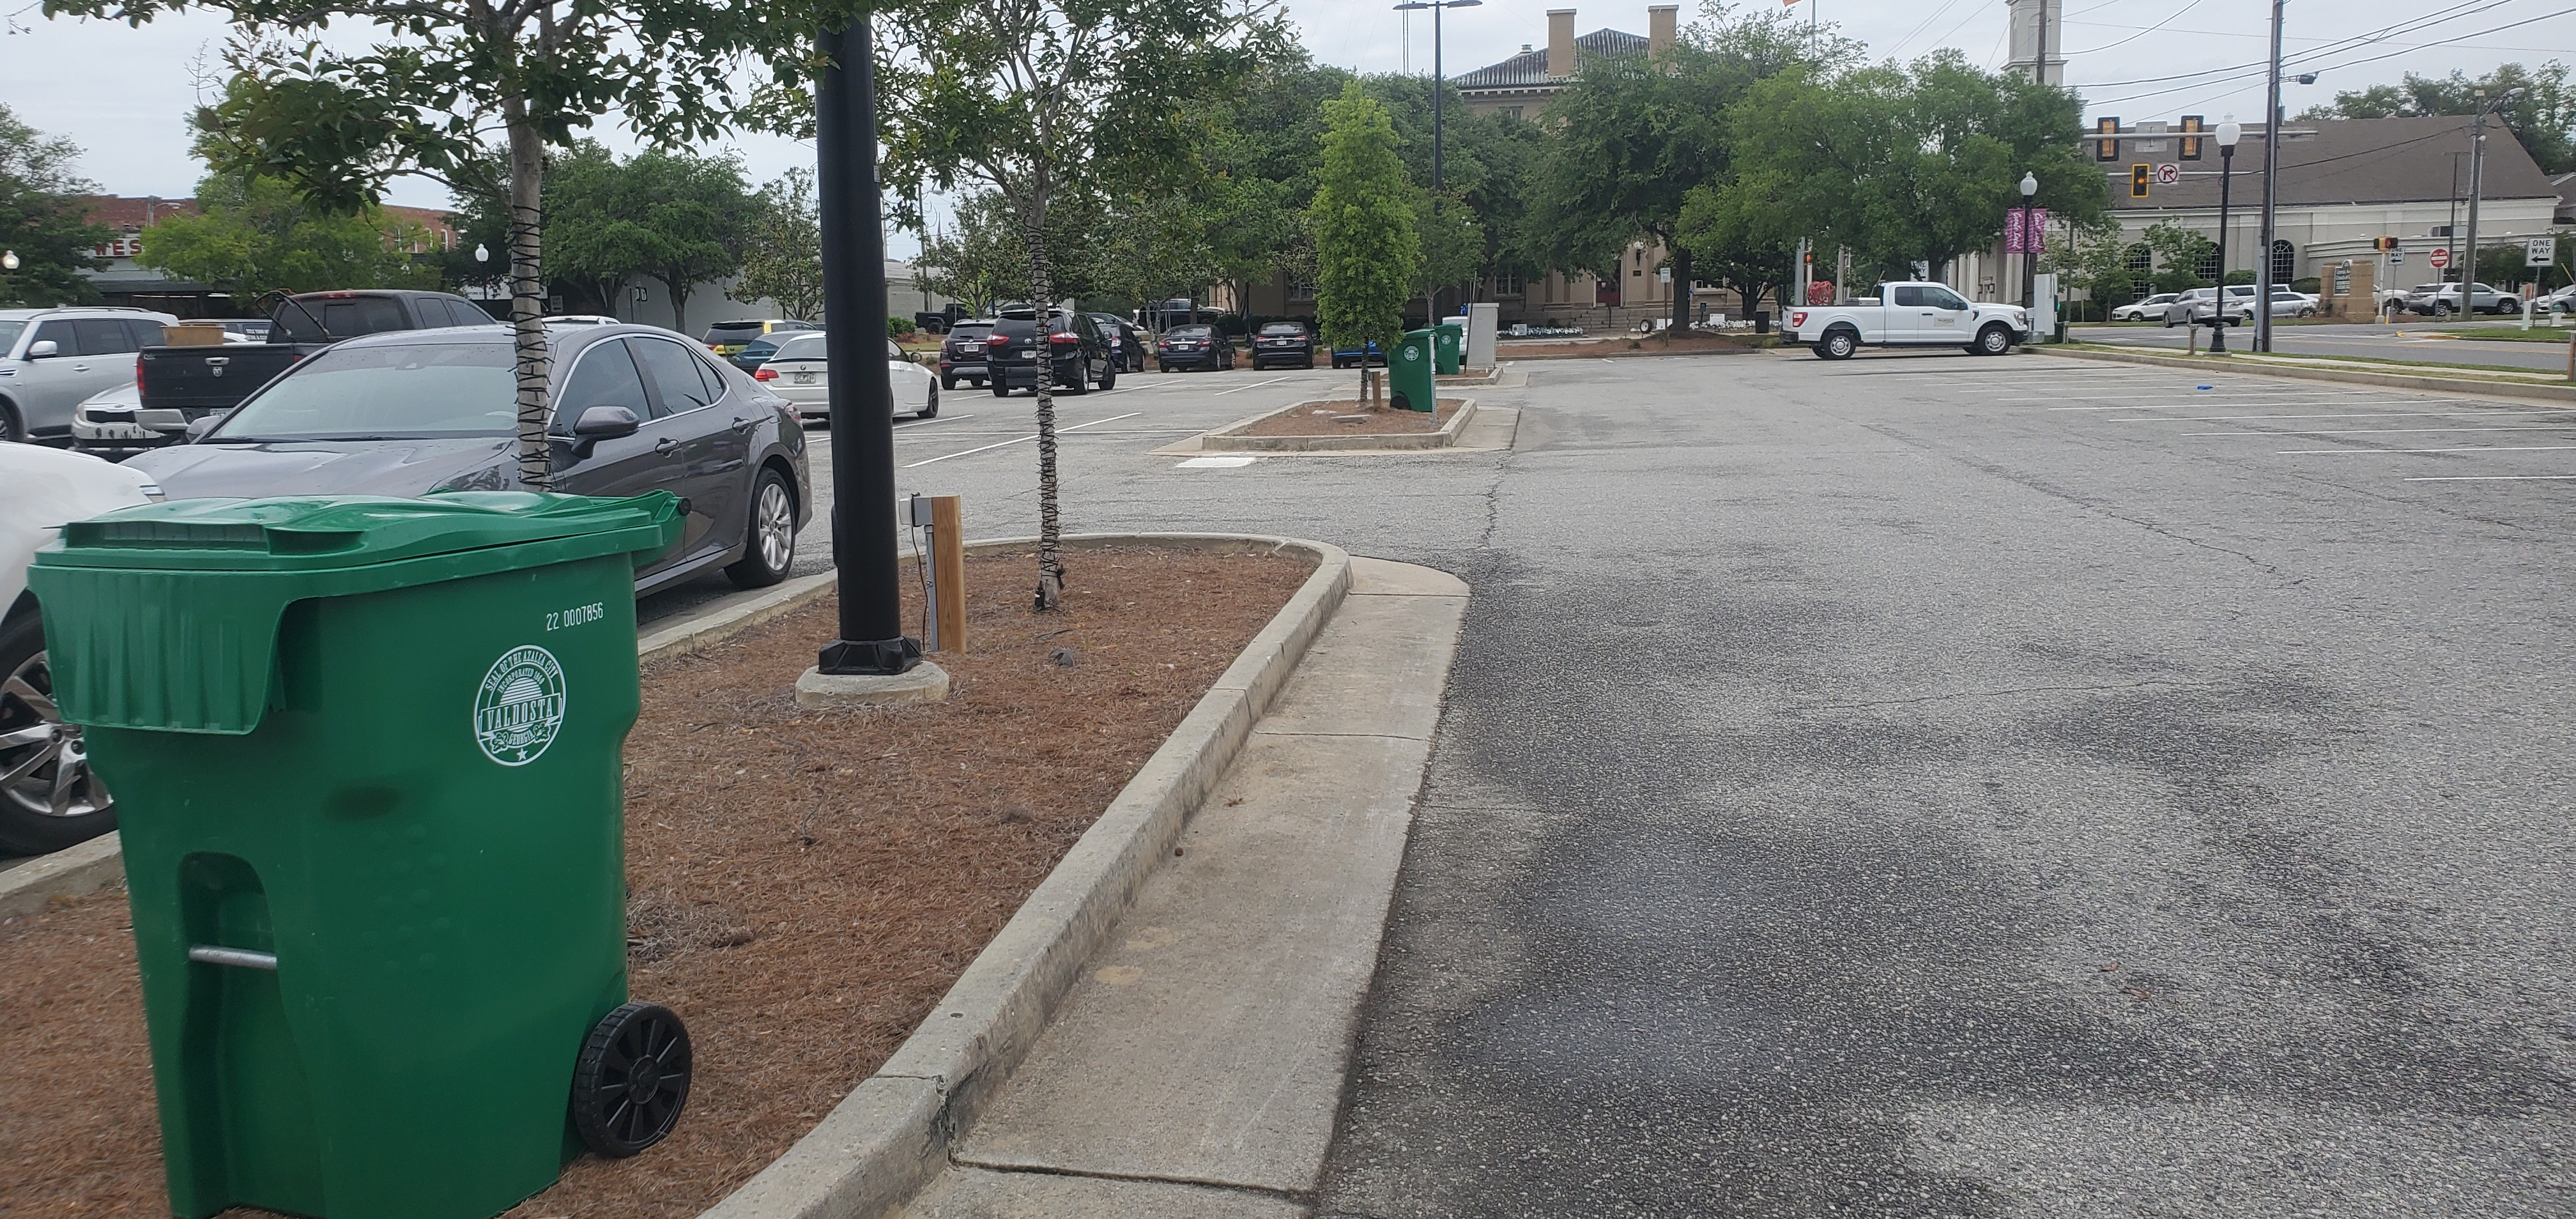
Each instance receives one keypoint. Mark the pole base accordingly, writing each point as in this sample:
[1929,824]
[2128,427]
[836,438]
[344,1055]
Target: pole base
[926,683]
[870,657]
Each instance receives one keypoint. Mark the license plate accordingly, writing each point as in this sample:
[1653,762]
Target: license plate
[804,378]
[1028,355]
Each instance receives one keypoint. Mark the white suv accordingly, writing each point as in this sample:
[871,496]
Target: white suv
[52,360]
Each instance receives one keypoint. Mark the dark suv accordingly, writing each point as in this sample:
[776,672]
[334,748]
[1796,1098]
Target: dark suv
[962,353]
[1075,351]
[1285,344]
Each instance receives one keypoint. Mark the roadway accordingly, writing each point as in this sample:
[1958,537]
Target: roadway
[2423,341]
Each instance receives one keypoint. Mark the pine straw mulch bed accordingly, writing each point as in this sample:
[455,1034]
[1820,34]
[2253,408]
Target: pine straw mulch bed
[1351,418]
[805,884]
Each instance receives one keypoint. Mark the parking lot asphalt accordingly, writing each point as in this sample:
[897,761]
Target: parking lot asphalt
[1929,785]
[2422,341]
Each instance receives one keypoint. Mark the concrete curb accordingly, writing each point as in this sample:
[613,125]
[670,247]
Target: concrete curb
[2457,385]
[890,1136]
[71,872]
[723,621]
[1228,439]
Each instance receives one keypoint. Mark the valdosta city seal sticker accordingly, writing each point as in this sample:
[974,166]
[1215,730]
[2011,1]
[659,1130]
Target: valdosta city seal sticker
[520,706]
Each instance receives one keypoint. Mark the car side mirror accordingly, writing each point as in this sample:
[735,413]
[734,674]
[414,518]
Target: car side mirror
[605,423]
[43,349]
[198,427]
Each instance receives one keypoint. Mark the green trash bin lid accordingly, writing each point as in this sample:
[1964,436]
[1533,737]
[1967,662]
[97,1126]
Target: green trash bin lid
[165,616]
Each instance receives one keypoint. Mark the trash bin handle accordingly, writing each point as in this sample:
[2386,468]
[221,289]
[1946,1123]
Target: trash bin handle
[213,954]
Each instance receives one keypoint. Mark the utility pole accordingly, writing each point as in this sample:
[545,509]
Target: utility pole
[871,639]
[2477,178]
[2271,196]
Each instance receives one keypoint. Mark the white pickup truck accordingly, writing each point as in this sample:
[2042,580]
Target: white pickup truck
[1908,314]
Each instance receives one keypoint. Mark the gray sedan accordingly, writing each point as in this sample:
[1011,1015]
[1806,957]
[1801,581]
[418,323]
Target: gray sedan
[634,409]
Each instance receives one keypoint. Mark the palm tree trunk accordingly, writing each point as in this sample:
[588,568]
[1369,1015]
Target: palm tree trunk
[1050,525]
[527,295]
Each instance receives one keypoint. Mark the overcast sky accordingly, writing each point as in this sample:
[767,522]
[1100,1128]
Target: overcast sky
[124,94]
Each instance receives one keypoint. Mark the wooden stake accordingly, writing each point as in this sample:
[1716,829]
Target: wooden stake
[948,573]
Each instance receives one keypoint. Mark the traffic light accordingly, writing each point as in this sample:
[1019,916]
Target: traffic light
[2106,150]
[2384,244]
[2191,125]
[2138,181]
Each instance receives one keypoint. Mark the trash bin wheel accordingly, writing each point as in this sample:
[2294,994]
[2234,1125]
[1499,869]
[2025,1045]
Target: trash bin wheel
[631,1080]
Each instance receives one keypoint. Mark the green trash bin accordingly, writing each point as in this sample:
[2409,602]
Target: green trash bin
[1408,374]
[366,754]
[1449,342]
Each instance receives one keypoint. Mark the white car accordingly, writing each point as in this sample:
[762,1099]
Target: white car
[48,797]
[52,360]
[799,373]
[2139,311]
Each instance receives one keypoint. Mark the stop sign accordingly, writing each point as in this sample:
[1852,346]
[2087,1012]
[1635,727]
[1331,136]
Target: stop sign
[2439,259]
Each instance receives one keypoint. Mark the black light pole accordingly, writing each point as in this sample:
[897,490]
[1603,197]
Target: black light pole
[861,396]
[2229,131]
[1436,90]
[2029,244]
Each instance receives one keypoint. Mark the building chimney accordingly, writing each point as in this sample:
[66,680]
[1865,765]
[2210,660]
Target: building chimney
[1560,42]
[1660,20]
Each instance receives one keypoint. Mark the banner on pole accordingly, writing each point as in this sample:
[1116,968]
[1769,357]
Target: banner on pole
[2012,230]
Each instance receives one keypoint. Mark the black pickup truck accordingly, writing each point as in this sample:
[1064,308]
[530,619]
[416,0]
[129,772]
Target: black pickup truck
[180,385]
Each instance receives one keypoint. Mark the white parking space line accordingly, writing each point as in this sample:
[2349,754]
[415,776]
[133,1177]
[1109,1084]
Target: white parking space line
[928,422]
[1240,388]
[2474,448]
[1017,440]
[2383,415]
[2493,478]
[2385,431]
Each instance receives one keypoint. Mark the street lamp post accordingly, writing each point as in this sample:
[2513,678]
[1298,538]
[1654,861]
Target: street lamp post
[2029,245]
[2271,196]
[2229,131]
[861,397]
[2477,177]
[1437,88]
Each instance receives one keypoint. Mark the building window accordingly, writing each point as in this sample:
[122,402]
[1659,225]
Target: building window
[1301,289]
[2208,268]
[1512,112]
[2141,259]
[2285,262]
[1507,283]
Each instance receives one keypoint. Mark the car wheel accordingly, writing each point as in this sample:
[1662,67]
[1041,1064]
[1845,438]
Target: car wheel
[11,430]
[49,797]
[2305,312]
[1838,345]
[2441,309]
[948,382]
[1073,385]
[930,409]
[1109,378]
[769,536]
[1994,341]
[1001,390]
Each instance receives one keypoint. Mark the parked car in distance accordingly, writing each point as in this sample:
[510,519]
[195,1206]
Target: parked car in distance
[802,374]
[2196,307]
[963,354]
[2142,310]
[758,351]
[1357,357]
[1193,346]
[2559,301]
[2443,300]
[2285,303]
[1121,334]
[1283,345]
[939,322]
[52,360]
[632,409]
[1077,357]
[579,319]
[201,381]
[112,425]
[49,799]
[1908,313]
[726,338]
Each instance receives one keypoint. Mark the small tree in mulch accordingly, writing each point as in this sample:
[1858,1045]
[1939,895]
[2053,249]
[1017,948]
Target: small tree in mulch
[1366,245]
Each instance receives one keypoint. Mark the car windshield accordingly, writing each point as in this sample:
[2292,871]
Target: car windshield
[393,392]
[970,334]
[1189,332]
[732,332]
[9,332]
[759,347]
[802,347]
[1291,329]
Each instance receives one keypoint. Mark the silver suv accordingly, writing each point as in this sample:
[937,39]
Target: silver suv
[52,360]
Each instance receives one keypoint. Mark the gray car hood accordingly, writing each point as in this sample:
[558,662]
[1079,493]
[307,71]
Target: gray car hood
[330,467]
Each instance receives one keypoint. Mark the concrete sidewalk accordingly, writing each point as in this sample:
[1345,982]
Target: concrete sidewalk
[1197,1067]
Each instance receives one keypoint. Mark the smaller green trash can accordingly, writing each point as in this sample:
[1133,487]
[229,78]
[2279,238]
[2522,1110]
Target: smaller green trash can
[367,759]
[1449,342]
[1408,374]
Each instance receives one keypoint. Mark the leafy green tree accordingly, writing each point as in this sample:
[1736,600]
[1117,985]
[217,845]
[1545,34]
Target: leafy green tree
[1915,162]
[677,219]
[41,218]
[339,117]
[2179,253]
[253,235]
[784,261]
[1040,101]
[1633,135]
[1367,247]
[2543,118]
[2095,260]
